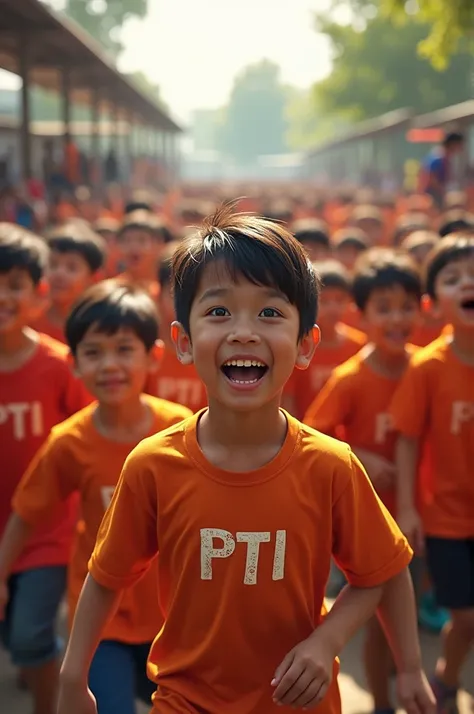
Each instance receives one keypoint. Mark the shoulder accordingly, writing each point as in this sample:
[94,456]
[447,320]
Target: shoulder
[349,371]
[432,356]
[167,413]
[353,335]
[166,444]
[75,428]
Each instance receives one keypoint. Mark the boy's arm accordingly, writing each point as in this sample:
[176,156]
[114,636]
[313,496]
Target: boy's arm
[406,460]
[15,537]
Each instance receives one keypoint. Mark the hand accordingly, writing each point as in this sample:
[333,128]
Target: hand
[304,676]
[75,698]
[415,693]
[381,471]
[409,522]
[4,597]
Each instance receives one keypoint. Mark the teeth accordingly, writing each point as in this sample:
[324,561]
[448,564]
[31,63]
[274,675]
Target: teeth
[244,363]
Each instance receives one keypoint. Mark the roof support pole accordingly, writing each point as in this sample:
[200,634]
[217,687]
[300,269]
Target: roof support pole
[25,115]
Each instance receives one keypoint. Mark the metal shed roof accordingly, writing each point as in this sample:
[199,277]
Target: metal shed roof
[55,43]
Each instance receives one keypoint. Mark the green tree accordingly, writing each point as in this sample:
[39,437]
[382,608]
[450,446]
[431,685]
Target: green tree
[254,121]
[307,124]
[102,19]
[376,69]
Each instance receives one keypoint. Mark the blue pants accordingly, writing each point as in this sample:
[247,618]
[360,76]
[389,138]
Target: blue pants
[29,628]
[117,677]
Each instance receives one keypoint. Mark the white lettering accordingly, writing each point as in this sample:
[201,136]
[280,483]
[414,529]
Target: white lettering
[253,540]
[461,412]
[107,492]
[18,412]
[383,425]
[208,552]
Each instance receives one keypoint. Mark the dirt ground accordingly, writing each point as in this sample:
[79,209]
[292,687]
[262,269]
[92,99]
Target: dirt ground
[354,695]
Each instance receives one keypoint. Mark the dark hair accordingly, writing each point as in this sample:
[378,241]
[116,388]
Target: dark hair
[453,138]
[351,238]
[79,238]
[146,221]
[261,251]
[21,249]
[311,230]
[455,221]
[333,275]
[384,268]
[449,250]
[111,305]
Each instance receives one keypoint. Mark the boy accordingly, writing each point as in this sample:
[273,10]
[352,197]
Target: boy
[349,244]
[77,256]
[245,505]
[355,401]
[440,382]
[338,341]
[140,241]
[112,333]
[174,381]
[37,390]
[314,237]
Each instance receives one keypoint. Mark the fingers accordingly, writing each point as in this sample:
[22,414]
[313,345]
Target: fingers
[282,669]
[301,686]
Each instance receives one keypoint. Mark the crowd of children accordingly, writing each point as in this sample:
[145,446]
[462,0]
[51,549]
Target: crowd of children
[153,481]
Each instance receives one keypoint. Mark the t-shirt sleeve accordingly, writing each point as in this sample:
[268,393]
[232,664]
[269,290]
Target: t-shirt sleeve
[49,480]
[368,546]
[410,403]
[127,540]
[329,410]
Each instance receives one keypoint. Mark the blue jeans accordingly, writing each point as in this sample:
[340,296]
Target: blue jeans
[29,628]
[117,677]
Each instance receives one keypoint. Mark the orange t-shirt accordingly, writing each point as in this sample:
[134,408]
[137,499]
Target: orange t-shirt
[43,324]
[435,404]
[34,398]
[78,459]
[243,559]
[354,404]
[305,385]
[177,382]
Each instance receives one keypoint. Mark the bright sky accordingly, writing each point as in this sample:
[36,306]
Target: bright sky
[194,48]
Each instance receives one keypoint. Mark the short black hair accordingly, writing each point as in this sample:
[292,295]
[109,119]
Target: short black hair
[111,305]
[333,275]
[384,268]
[146,221]
[311,230]
[74,237]
[455,221]
[21,249]
[260,250]
[452,138]
[449,250]
[351,238]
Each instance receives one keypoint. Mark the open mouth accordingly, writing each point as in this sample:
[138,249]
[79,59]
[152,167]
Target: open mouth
[468,304]
[244,371]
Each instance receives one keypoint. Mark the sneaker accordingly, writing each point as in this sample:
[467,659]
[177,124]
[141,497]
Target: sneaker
[430,616]
[446,697]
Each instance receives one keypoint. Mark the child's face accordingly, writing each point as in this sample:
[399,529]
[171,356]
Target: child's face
[140,251]
[389,318]
[372,228]
[19,297]
[454,288]
[113,367]
[68,276]
[333,304]
[244,341]
[317,252]
[348,255]
[166,310]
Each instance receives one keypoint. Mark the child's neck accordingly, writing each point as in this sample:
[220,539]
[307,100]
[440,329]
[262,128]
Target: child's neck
[17,347]
[242,441]
[128,423]
[384,363]
[462,343]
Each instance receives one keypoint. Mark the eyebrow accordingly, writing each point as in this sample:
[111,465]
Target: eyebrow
[222,292]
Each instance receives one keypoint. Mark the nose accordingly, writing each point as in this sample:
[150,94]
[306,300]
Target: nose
[108,360]
[243,332]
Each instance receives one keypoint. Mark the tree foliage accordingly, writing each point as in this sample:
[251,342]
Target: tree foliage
[254,121]
[376,69]
[102,19]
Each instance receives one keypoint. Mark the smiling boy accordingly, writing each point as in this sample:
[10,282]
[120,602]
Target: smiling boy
[246,506]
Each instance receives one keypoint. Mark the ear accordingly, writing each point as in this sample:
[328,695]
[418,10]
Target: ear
[307,347]
[182,342]
[430,307]
[43,288]
[156,356]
